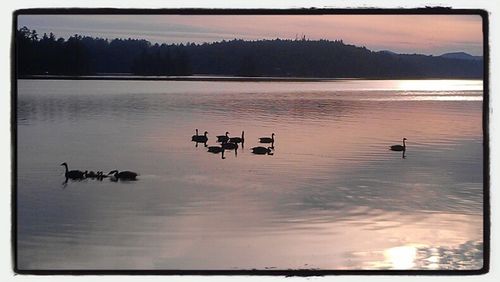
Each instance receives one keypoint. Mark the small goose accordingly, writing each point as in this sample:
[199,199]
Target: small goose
[124,175]
[200,138]
[230,146]
[223,138]
[262,150]
[399,147]
[267,139]
[238,139]
[215,149]
[101,174]
[90,174]
[73,174]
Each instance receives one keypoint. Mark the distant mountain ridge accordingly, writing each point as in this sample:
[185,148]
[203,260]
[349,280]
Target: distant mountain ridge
[388,52]
[450,55]
[461,56]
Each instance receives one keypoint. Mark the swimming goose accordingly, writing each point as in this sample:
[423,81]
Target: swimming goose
[223,138]
[90,174]
[124,175]
[200,138]
[238,139]
[73,174]
[262,150]
[399,147]
[215,149]
[230,146]
[267,139]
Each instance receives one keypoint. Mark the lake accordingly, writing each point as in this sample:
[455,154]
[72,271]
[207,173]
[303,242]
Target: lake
[332,196]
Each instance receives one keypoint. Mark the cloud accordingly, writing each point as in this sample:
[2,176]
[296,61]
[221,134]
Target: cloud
[427,34]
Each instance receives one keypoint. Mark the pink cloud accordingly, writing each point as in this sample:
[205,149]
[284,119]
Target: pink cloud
[428,34]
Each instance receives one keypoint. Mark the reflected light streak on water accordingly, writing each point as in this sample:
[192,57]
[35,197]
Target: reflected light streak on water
[439,85]
[402,257]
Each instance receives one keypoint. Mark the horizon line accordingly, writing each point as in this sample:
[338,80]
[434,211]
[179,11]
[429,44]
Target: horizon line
[303,38]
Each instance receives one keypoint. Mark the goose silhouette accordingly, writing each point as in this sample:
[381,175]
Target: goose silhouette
[215,149]
[262,150]
[267,139]
[238,139]
[100,175]
[200,138]
[399,147]
[230,146]
[223,138]
[124,175]
[73,174]
[90,174]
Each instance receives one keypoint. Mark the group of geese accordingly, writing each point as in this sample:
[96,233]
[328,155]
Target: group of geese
[114,175]
[231,143]
[227,143]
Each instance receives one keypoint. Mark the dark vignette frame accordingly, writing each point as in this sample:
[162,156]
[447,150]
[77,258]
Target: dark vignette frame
[302,11]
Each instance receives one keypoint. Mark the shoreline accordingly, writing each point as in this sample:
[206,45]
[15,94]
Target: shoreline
[227,78]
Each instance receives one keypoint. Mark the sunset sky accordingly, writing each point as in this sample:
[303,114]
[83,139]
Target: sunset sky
[423,34]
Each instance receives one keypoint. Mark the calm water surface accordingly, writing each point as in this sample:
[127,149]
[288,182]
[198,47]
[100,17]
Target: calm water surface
[331,197]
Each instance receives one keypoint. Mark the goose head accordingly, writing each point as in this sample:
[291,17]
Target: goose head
[113,172]
[64,164]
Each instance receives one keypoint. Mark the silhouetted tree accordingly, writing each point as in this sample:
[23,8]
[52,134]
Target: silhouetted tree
[83,55]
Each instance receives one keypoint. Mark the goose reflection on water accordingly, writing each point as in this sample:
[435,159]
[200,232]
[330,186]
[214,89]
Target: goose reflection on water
[204,144]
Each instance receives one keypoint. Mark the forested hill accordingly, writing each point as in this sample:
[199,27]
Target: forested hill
[82,55]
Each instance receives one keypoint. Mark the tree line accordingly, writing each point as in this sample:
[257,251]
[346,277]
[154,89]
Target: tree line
[83,55]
